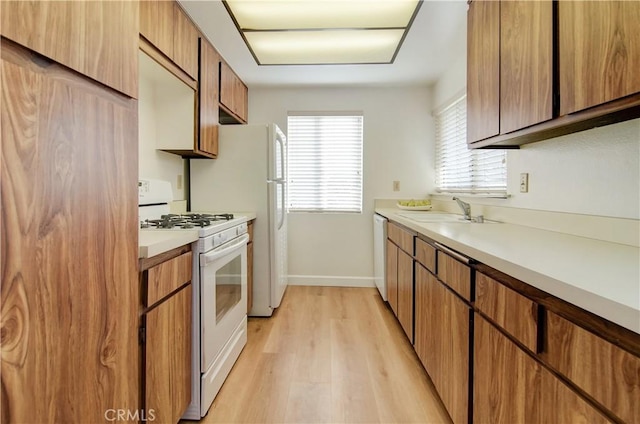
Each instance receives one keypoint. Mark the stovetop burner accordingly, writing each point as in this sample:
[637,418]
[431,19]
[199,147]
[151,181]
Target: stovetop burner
[186,221]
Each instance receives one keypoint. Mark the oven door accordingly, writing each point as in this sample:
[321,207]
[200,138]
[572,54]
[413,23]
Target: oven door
[223,296]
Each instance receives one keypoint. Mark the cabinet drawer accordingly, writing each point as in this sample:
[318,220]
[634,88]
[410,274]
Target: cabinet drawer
[400,237]
[168,276]
[606,372]
[454,274]
[426,255]
[510,310]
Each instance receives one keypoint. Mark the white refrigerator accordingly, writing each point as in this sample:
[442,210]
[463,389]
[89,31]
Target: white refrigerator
[250,175]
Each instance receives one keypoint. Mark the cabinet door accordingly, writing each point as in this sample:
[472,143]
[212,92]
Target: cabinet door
[185,42]
[405,293]
[208,98]
[526,64]
[455,338]
[604,371]
[510,386]
[70,292]
[156,24]
[392,276]
[98,39]
[226,86]
[599,52]
[483,70]
[168,358]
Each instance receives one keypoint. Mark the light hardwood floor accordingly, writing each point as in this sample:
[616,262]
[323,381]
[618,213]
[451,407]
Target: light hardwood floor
[328,355]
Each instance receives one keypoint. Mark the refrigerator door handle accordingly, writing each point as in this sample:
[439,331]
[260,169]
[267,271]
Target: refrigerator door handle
[284,208]
[282,164]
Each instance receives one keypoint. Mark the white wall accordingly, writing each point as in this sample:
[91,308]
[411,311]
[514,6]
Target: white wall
[155,163]
[398,142]
[594,172]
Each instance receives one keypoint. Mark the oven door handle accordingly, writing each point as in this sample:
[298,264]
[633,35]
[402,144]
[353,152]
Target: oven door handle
[225,249]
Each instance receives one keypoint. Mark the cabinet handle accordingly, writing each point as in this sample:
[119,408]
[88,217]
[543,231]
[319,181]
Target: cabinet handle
[453,253]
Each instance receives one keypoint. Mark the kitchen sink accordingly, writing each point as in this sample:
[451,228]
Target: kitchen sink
[438,217]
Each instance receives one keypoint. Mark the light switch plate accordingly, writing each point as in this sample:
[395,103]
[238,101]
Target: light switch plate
[524,182]
[396,186]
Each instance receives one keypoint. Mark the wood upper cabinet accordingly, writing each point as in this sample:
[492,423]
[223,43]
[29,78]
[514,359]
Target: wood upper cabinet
[167,344]
[98,39]
[208,81]
[442,329]
[510,66]
[156,24]
[233,95]
[526,64]
[69,241]
[185,42]
[599,52]
[165,25]
[483,70]
[509,386]
[606,372]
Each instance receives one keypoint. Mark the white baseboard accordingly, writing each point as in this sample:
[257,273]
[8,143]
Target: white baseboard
[330,281]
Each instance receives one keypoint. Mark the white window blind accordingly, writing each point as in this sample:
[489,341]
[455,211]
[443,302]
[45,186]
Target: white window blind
[325,162]
[459,169]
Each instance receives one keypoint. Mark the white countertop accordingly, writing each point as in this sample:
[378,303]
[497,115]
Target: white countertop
[152,242]
[155,242]
[598,276]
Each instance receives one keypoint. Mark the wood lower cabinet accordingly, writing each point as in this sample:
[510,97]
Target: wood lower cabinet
[167,336]
[442,341]
[599,55]
[168,358]
[405,293]
[509,386]
[392,276]
[606,372]
[208,81]
[98,39]
[69,241]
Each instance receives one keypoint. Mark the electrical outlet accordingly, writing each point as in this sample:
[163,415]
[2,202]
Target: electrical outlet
[396,186]
[179,182]
[524,182]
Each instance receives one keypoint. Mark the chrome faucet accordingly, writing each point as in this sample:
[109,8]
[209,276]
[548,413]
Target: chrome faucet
[466,208]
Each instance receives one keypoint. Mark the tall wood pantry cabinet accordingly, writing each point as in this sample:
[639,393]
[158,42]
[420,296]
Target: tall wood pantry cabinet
[69,227]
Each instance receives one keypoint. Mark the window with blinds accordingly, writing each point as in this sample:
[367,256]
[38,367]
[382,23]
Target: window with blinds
[459,169]
[325,162]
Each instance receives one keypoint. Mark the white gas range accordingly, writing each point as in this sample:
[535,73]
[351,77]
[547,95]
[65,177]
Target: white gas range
[219,288]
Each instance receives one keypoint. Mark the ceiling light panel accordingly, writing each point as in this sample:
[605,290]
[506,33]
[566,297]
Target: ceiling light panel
[313,32]
[317,14]
[324,47]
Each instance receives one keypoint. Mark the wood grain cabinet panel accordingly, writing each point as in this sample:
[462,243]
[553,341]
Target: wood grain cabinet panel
[526,64]
[599,52]
[510,310]
[426,255]
[483,70]
[185,42]
[69,241]
[442,327]
[98,39]
[404,239]
[208,81]
[509,386]
[167,277]
[168,358]
[405,293]
[455,274]
[607,373]
[233,94]
[392,276]
[157,25]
